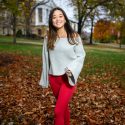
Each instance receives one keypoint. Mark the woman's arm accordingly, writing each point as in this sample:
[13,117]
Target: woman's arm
[76,66]
[45,66]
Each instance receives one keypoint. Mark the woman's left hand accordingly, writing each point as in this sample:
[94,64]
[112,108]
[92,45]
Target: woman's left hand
[69,73]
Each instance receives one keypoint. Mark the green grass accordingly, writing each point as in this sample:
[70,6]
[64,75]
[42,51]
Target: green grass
[9,39]
[23,49]
[100,59]
[105,64]
[6,39]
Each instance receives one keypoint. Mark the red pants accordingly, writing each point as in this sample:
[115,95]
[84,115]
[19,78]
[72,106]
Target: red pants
[63,93]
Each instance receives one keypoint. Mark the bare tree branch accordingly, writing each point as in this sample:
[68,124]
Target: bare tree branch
[38,4]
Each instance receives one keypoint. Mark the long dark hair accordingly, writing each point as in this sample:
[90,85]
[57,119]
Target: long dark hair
[52,32]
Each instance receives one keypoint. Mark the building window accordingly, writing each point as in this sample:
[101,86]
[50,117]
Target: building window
[40,15]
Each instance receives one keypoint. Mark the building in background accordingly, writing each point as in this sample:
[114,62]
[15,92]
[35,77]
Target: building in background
[39,21]
[40,18]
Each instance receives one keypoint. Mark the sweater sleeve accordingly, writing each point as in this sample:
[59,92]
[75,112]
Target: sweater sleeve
[76,66]
[44,81]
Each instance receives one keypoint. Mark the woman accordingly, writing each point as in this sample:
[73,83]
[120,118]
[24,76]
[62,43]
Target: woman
[63,57]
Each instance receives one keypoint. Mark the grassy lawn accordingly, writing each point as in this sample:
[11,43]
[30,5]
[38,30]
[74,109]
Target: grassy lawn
[9,39]
[102,64]
[23,49]
[105,65]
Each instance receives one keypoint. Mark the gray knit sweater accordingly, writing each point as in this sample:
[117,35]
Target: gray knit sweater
[64,56]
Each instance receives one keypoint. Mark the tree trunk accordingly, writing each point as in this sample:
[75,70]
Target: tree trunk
[28,27]
[91,34]
[79,27]
[14,28]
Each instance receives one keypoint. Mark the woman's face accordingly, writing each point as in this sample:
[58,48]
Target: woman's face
[58,19]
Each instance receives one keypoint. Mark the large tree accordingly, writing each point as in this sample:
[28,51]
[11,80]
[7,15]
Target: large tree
[84,8]
[116,12]
[14,7]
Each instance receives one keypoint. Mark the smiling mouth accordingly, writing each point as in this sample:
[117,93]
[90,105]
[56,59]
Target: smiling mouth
[58,23]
